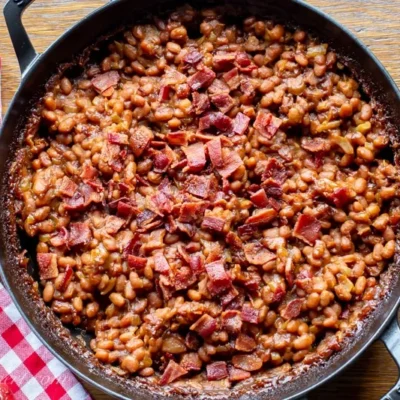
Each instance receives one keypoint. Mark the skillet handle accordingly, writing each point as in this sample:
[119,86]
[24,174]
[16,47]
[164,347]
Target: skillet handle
[24,50]
[391,339]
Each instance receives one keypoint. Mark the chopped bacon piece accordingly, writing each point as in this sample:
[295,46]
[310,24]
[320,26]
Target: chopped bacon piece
[340,197]
[61,238]
[257,254]
[189,229]
[223,102]
[172,77]
[237,374]
[260,199]
[272,188]
[196,156]
[161,264]
[201,79]
[275,170]
[247,229]
[232,162]
[242,59]
[145,218]
[117,138]
[184,278]
[218,87]
[192,341]
[262,216]
[191,211]
[66,279]
[215,152]
[316,145]
[231,321]
[90,195]
[161,162]
[219,279]
[247,88]
[217,371]
[191,362]
[226,297]
[125,210]
[279,294]
[199,185]
[247,362]
[205,326]
[47,265]
[240,123]
[216,120]
[213,223]
[223,59]
[179,138]
[136,262]
[250,314]
[201,102]
[234,240]
[267,124]
[88,172]
[232,78]
[75,203]
[113,224]
[307,228]
[173,372]
[68,187]
[105,81]
[292,309]
[79,233]
[164,93]
[196,264]
[289,271]
[193,57]
[140,138]
[245,343]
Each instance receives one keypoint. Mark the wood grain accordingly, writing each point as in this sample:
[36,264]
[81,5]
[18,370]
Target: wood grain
[376,22]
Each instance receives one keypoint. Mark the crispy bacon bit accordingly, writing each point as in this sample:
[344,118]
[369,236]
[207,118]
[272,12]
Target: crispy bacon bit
[262,216]
[196,156]
[260,199]
[201,102]
[340,197]
[231,321]
[164,93]
[223,59]
[217,371]
[218,87]
[223,102]
[47,265]
[145,218]
[88,172]
[173,372]
[215,152]
[316,145]
[307,228]
[79,233]
[196,264]
[201,79]
[236,374]
[232,78]
[232,162]
[205,326]
[240,124]
[234,240]
[75,203]
[191,362]
[279,294]
[125,210]
[272,188]
[135,262]
[105,81]
[247,88]
[267,124]
[90,195]
[184,278]
[161,264]
[192,211]
[242,59]
[117,138]
[179,138]
[227,297]
[292,309]
[66,279]
[275,170]
[161,162]
[140,138]
[245,343]
[213,223]
[289,271]
[68,187]
[113,224]
[61,238]
[199,185]
[216,120]
[193,57]
[257,254]
[247,362]
[247,229]
[219,279]
[250,314]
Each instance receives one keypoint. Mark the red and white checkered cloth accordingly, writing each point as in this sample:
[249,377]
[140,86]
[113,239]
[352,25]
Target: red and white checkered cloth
[27,368]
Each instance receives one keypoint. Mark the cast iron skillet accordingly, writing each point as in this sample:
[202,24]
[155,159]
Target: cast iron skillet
[37,69]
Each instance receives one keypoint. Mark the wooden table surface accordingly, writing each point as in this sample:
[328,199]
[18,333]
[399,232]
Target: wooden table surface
[376,22]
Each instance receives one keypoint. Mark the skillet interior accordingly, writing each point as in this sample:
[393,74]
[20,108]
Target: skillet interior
[376,83]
